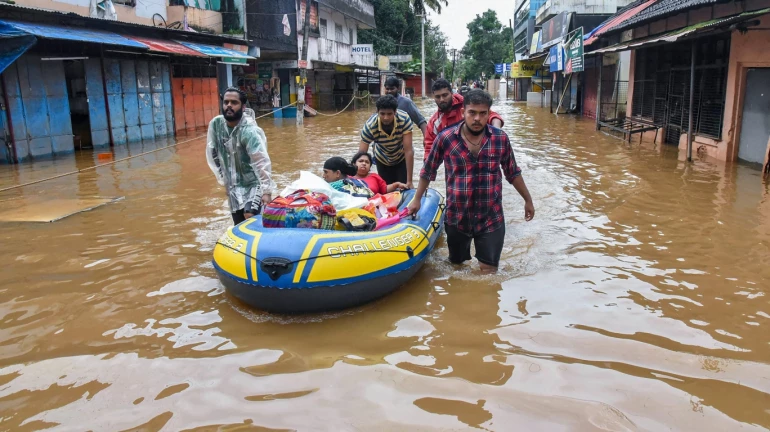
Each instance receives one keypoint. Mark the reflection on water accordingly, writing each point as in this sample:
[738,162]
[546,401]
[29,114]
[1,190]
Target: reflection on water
[636,300]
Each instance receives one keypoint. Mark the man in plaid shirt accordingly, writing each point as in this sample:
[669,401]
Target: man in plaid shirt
[474,154]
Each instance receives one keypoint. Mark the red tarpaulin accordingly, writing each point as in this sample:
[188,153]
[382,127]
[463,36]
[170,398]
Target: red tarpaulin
[167,46]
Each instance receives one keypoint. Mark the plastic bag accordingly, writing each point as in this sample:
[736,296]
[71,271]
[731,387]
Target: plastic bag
[384,206]
[313,183]
[355,220]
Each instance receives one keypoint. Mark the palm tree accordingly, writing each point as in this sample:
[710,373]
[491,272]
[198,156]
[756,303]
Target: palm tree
[419,5]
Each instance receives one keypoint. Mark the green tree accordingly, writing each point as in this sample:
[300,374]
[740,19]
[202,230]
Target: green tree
[419,5]
[398,32]
[489,42]
[396,23]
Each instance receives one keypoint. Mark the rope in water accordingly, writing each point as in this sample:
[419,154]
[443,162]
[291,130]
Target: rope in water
[166,147]
[127,158]
[366,96]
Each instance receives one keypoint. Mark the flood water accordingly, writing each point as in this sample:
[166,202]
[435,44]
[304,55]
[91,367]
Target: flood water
[636,300]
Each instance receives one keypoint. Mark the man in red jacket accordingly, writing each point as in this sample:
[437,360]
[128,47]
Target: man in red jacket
[450,112]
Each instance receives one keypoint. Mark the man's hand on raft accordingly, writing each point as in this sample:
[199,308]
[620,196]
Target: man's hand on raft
[414,207]
[266,198]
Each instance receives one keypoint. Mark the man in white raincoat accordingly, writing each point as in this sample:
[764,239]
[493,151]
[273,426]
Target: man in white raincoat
[237,155]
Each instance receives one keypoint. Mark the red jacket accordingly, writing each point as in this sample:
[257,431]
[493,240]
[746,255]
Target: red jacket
[440,121]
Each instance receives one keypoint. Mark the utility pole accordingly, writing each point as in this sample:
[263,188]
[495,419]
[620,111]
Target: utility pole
[422,24]
[454,54]
[303,66]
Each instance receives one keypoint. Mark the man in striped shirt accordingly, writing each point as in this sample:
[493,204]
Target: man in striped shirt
[390,129]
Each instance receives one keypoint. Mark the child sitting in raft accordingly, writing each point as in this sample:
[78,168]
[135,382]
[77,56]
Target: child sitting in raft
[338,173]
[363,163]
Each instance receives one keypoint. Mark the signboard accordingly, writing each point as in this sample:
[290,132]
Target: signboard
[243,49]
[403,58]
[556,57]
[265,71]
[234,60]
[362,49]
[302,64]
[313,17]
[525,68]
[499,68]
[383,63]
[285,64]
[535,47]
[555,29]
[573,49]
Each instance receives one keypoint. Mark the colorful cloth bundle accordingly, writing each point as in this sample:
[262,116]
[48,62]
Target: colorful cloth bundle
[301,209]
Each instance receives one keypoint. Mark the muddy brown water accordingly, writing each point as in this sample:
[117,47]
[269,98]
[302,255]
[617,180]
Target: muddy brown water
[636,300]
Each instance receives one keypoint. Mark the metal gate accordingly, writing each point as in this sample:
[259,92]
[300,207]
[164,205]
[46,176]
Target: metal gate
[139,100]
[678,103]
[39,106]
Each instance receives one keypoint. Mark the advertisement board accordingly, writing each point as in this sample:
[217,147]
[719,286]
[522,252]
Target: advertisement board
[536,45]
[313,17]
[573,48]
[556,57]
[525,68]
[555,29]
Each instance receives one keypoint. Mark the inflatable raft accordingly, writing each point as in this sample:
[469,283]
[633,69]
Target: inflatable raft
[307,270]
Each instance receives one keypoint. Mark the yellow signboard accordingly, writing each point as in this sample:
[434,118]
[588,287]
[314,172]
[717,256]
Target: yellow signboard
[524,68]
[383,63]
[535,42]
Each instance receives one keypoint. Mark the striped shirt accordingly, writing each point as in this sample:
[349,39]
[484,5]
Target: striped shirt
[389,149]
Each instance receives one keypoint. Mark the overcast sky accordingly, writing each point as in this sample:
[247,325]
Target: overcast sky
[454,18]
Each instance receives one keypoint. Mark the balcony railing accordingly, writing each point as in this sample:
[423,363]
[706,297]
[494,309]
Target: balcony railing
[341,53]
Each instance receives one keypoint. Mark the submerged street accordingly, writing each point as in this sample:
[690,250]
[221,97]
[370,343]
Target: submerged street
[635,300]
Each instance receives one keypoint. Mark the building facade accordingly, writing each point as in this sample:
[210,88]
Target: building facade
[699,75]
[69,83]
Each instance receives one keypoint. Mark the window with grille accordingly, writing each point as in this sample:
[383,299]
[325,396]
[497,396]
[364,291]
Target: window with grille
[662,86]
[338,32]
[322,28]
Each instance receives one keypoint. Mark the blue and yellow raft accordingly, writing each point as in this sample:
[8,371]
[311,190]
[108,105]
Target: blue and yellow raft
[306,270]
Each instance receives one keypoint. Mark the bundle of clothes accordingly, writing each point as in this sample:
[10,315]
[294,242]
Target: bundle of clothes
[338,201]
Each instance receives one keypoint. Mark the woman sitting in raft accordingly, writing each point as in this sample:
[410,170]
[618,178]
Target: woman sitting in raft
[363,163]
[338,173]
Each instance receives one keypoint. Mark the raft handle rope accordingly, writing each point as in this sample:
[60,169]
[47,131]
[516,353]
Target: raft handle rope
[126,158]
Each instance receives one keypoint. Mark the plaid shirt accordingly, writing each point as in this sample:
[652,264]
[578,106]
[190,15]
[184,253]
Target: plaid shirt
[474,184]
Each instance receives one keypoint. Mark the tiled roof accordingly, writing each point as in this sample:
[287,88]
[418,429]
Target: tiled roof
[661,9]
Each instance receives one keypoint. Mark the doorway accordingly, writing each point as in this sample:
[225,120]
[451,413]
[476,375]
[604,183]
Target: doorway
[75,77]
[755,125]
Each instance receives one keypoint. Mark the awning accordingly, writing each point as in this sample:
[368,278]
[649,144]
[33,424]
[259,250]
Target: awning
[48,31]
[673,36]
[615,20]
[166,46]
[227,55]
[13,43]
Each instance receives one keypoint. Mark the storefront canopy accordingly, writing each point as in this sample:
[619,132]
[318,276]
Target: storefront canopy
[712,26]
[167,46]
[216,51]
[49,31]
